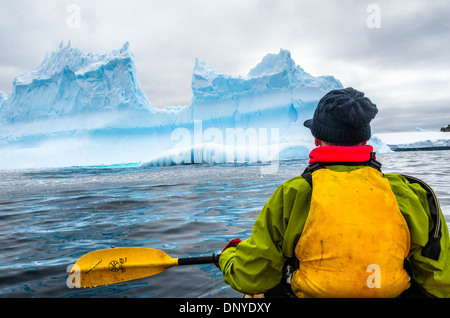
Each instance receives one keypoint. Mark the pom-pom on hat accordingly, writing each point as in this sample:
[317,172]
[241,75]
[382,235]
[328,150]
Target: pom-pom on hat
[343,117]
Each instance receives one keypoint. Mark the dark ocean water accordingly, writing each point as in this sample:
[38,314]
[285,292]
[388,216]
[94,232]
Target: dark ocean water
[51,217]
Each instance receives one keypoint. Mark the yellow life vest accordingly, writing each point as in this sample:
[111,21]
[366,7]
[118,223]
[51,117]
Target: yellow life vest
[355,239]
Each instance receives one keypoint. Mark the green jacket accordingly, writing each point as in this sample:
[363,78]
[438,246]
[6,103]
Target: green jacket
[255,265]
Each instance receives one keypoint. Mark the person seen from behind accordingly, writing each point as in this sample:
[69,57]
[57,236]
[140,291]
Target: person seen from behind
[343,228]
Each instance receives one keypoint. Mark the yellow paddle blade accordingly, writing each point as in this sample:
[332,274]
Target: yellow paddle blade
[117,265]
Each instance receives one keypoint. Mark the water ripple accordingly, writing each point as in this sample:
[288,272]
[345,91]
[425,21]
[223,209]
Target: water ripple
[51,217]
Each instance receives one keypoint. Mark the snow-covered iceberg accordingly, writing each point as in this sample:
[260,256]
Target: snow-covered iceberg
[82,109]
[258,117]
[77,109]
[416,140]
[68,82]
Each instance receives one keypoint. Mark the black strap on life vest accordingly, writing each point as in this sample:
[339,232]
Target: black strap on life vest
[432,249]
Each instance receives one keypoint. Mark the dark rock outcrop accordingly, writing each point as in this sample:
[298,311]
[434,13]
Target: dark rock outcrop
[446,129]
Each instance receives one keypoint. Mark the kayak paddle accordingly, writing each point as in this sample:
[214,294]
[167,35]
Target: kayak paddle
[123,264]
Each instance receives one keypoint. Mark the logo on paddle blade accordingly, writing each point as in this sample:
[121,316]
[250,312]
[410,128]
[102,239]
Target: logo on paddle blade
[116,266]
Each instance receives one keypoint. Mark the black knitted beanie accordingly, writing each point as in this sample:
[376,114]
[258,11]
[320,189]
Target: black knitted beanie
[343,117]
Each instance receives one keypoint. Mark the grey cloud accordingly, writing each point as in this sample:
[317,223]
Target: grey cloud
[325,37]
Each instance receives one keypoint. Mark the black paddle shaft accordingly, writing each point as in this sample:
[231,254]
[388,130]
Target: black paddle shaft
[199,260]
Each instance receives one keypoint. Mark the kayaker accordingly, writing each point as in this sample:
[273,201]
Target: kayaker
[344,228]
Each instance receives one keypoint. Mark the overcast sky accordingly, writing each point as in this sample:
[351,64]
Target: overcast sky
[397,52]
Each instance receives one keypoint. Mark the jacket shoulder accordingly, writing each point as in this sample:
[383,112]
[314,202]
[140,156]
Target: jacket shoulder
[298,183]
[400,181]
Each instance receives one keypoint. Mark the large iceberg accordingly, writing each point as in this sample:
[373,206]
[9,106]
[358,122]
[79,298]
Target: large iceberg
[77,109]
[82,109]
[254,118]
[68,82]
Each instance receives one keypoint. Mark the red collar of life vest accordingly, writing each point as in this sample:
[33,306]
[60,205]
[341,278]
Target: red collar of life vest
[341,154]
